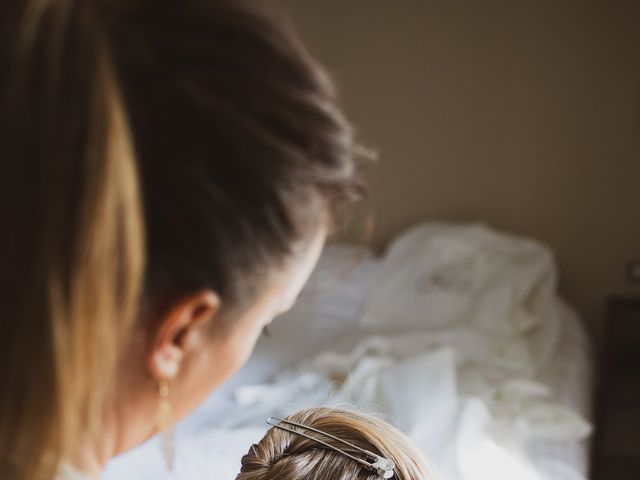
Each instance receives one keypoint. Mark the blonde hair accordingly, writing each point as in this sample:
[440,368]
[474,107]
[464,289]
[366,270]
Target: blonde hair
[283,455]
[73,261]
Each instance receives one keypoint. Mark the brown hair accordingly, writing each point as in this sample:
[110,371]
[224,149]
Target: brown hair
[282,455]
[241,147]
[150,148]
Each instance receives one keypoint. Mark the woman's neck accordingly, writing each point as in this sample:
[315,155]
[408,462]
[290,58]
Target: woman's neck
[131,422]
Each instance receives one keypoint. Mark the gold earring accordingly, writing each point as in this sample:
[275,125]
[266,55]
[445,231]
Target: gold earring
[165,423]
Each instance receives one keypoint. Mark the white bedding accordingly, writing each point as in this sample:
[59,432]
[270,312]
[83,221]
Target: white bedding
[461,404]
[570,376]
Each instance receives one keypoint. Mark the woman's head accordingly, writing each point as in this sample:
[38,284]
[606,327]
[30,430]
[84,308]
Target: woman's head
[243,155]
[172,171]
[245,163]
[284,455]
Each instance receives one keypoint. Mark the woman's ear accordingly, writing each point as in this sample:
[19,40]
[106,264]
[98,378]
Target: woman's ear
[171,337]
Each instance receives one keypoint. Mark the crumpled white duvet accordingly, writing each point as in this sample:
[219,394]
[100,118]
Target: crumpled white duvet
[443,276]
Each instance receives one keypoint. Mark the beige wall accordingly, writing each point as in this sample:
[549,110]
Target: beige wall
[522,114]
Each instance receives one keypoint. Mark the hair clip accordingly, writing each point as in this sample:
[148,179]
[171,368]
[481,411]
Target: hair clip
[384,467]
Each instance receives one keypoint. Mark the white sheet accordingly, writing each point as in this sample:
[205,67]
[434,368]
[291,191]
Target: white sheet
[326,319]
[442,276]
[570,377]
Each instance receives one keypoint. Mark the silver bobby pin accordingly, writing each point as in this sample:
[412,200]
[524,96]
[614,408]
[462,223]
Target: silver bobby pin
[384,467]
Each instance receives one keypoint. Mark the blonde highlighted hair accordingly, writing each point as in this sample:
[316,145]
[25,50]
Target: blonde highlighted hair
[72,254]
[282,455]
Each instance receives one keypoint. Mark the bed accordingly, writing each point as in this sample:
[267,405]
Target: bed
[519,370]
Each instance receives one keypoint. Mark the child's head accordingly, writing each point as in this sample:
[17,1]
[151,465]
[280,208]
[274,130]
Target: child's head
[282,455]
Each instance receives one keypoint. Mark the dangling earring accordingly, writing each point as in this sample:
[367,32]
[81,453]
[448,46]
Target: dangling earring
[165,423]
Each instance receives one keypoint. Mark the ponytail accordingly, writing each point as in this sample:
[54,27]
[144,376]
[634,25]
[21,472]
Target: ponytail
[71,251]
